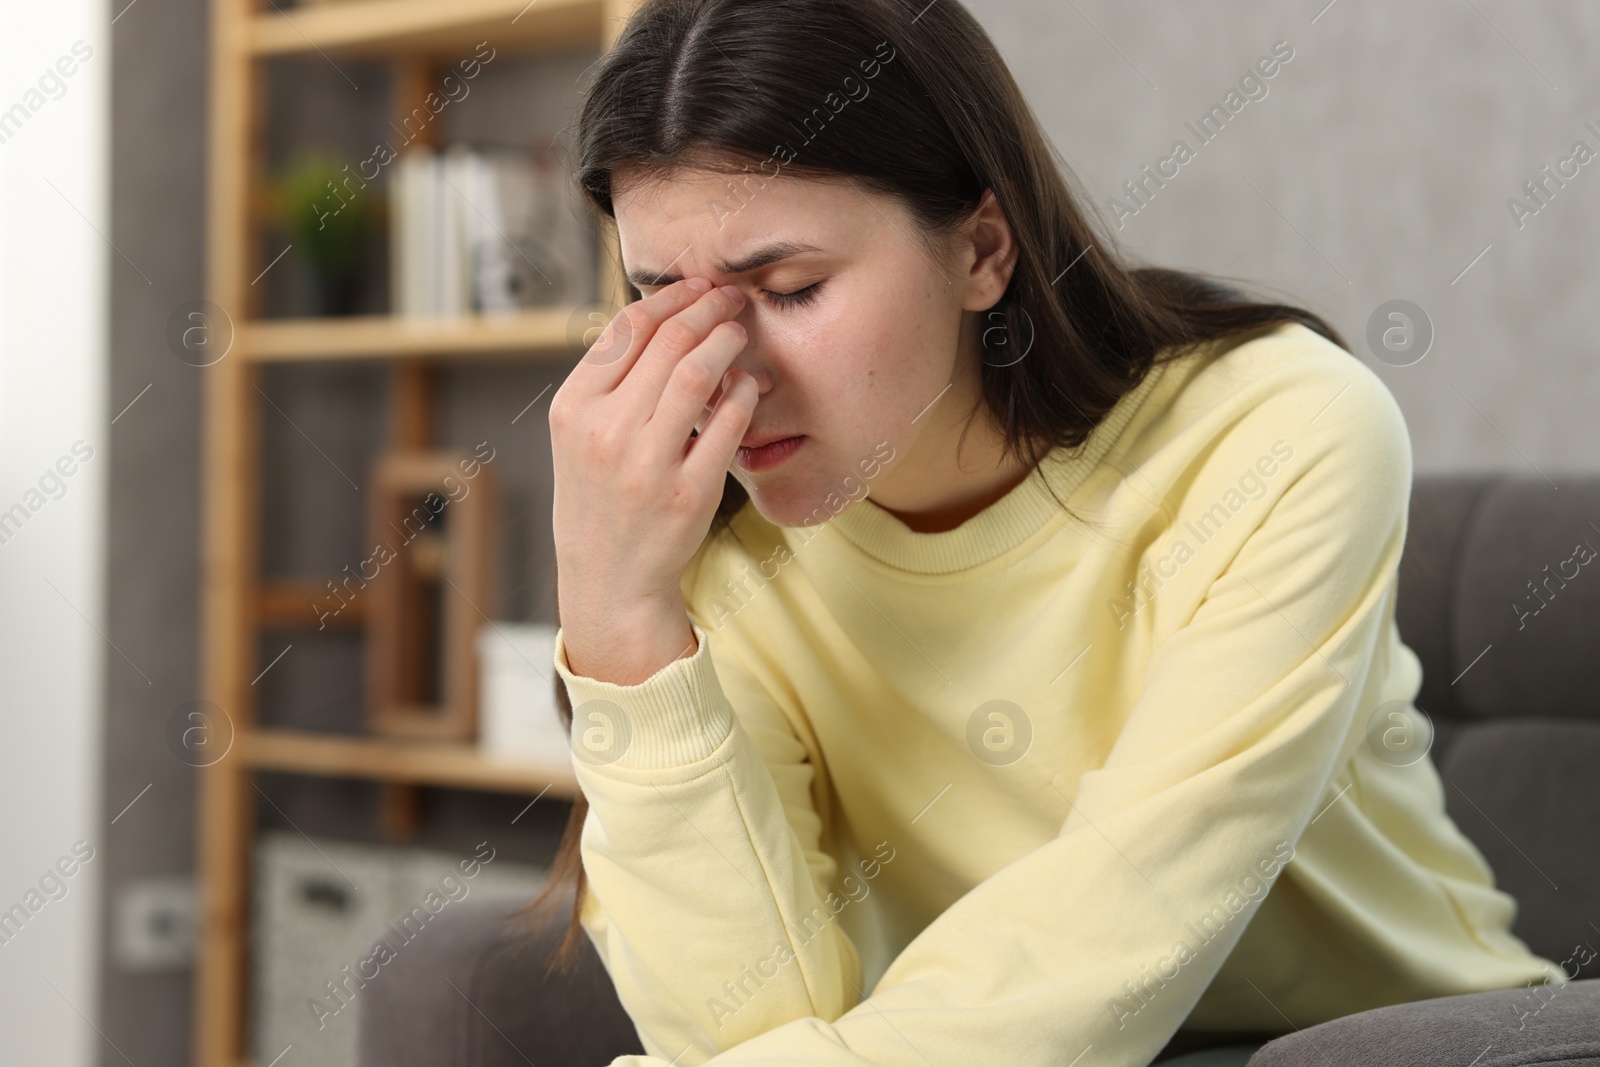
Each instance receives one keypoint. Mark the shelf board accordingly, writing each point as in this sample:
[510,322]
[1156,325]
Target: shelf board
[454,765]
[390,27]
[541,332]
[291,604]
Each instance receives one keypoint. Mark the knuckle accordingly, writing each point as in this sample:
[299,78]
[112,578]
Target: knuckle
[558,416]
[625,325]
[677,335]
[632,317]
[606,439]
[694,378]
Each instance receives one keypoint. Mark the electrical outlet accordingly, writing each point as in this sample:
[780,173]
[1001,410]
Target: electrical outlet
[154,926]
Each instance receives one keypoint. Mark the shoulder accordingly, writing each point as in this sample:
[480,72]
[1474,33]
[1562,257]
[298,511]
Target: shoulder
[1280,438]
[1290,369]
[1292,388]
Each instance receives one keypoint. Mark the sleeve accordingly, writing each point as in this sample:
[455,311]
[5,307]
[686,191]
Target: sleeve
[1092,949]
[703,852]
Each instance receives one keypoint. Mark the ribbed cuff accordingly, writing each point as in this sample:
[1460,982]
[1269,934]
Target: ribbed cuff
[677,716]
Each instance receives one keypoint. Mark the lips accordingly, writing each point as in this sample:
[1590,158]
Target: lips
[761,441]
[771,455]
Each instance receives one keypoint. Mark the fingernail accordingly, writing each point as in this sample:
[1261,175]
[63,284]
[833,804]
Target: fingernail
[699,285]
[734,293]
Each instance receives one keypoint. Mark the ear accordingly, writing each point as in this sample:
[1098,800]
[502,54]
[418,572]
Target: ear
[994,254]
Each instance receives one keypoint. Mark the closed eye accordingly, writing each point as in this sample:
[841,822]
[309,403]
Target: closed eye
[797,298]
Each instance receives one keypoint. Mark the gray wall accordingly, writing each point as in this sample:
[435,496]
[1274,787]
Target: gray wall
[1377,167]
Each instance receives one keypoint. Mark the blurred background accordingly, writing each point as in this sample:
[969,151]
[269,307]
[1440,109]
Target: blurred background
[285,286]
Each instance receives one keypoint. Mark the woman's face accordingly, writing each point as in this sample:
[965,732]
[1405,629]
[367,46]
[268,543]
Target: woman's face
[854,332]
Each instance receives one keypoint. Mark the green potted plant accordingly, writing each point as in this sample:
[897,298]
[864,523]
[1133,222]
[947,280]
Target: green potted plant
[327,217]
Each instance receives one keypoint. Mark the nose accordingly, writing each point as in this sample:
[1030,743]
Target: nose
[763,376]
[750,359]
[752,366]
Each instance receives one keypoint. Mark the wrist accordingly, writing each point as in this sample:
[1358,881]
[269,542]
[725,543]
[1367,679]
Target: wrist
[675,717]
[626,645]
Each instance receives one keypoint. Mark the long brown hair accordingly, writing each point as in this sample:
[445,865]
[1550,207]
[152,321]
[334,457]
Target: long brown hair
[911,100]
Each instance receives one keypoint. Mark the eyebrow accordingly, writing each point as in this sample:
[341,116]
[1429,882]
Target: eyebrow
[761,257]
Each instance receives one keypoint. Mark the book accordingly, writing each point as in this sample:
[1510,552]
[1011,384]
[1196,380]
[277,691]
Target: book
[486,231]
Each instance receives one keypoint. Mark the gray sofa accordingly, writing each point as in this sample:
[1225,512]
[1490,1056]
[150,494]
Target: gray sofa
[1514,693]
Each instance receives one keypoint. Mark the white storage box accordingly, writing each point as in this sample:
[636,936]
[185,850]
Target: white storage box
[321,907]
[518,716]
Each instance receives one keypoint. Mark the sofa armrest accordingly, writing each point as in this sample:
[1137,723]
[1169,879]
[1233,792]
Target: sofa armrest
[1528,1025]
[470,991]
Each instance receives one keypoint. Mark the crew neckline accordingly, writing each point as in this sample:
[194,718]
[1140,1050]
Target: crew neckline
[1007,522]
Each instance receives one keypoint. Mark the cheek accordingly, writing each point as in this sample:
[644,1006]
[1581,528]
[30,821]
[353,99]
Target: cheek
[863,362]
[903,366]
[874,341]
[825,355]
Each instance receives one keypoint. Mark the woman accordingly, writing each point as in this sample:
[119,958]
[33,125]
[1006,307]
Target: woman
[962,629]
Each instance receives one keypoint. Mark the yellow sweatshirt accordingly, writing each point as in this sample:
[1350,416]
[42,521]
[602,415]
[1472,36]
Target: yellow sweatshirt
[1016,792]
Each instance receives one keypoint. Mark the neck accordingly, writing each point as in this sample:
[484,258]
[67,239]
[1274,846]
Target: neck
[950,490]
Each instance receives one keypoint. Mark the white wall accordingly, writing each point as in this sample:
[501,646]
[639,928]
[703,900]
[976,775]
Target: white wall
[53,367]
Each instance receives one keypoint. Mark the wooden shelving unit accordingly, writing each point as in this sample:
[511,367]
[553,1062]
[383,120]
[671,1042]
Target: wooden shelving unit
[237,604]
[387,337]
[397,27]
[460,766]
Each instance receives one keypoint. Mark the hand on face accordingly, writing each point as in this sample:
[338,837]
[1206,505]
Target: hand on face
[634,494]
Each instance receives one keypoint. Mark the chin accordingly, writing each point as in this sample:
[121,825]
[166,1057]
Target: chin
[795,504]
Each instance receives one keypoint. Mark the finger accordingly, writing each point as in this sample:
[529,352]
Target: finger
[676,337]
[713,452]
[711,405]
[614,352]
[690,389]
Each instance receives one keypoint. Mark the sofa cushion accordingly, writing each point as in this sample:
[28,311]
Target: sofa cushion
[1502,1028]
[1436,534]
[1524,793]
[472,992]
[1528,602]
